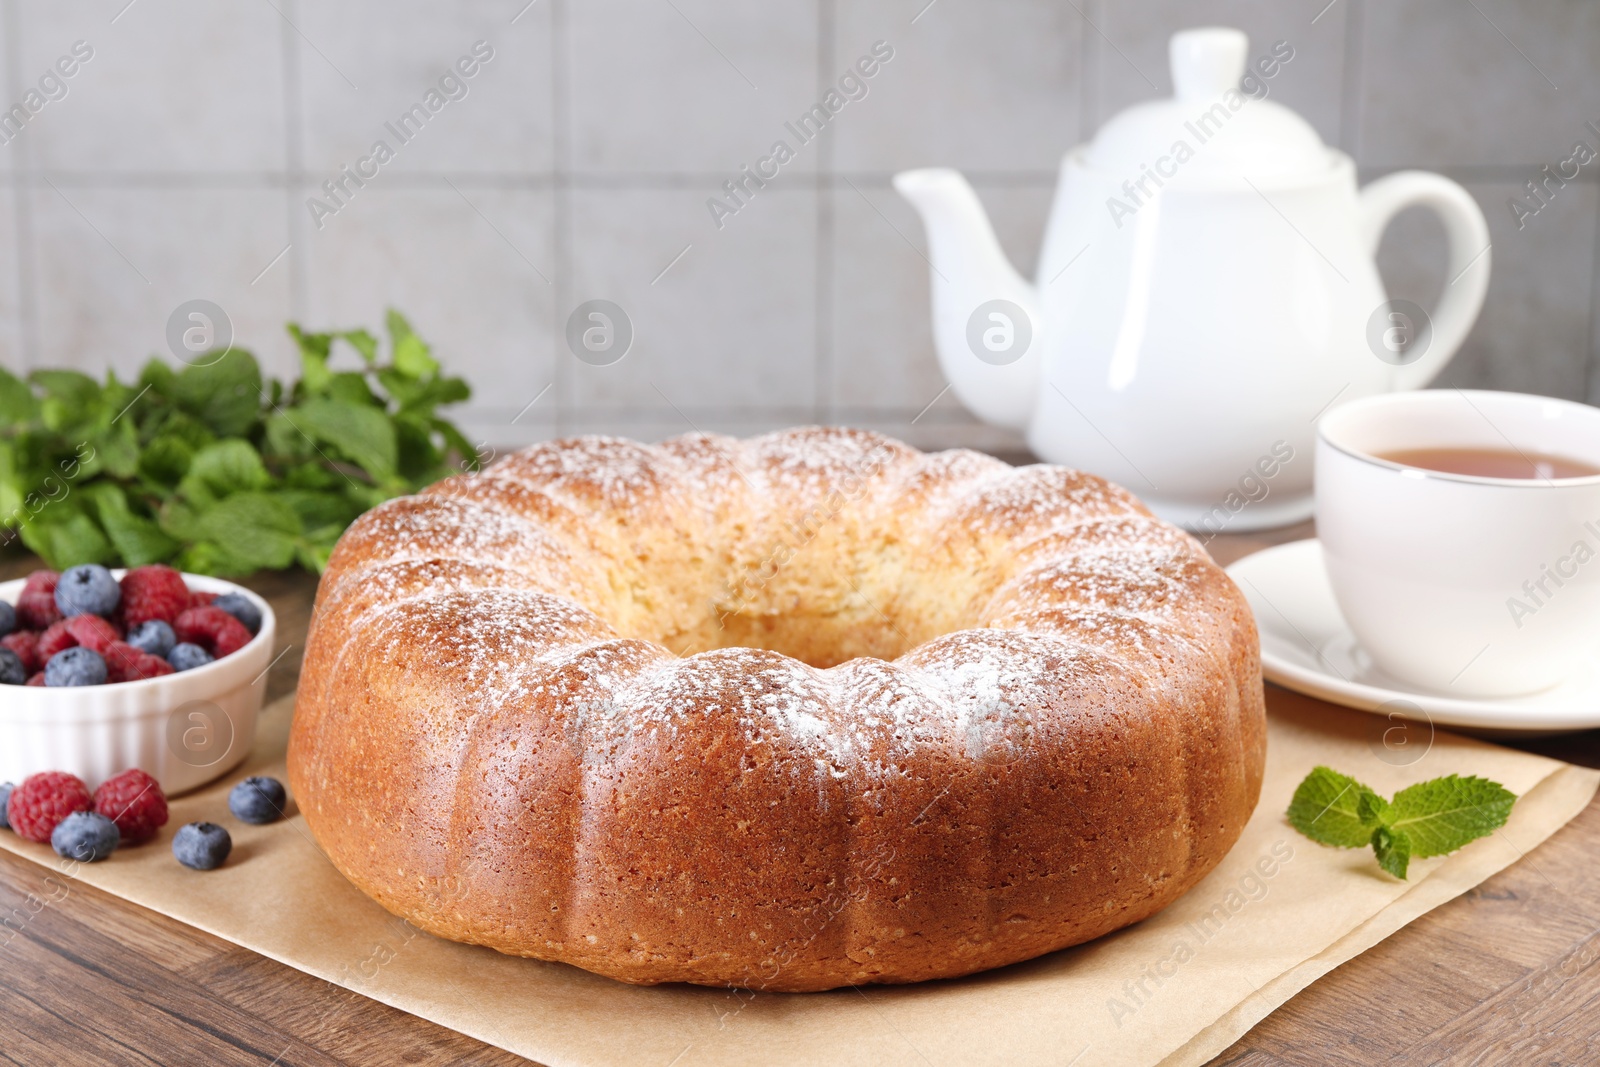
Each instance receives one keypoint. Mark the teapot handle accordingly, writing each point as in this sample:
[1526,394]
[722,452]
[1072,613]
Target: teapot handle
[1468,236]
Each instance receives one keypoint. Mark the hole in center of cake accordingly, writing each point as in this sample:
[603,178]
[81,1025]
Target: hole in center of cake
[819,639]
[820,607]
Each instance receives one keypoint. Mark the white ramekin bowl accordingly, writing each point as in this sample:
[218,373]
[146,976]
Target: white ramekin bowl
[185,729]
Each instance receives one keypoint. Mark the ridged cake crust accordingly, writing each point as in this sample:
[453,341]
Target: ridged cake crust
[790,713]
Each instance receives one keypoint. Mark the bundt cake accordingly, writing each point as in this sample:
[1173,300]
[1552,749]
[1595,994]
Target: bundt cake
[791,713]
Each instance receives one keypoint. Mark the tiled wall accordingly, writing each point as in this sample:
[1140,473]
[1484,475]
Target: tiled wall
[578,165]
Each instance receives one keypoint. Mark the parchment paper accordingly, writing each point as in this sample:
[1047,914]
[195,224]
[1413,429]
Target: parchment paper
[1175,990]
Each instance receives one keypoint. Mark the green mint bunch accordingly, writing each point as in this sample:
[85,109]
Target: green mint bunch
[215,469]
[1430,818]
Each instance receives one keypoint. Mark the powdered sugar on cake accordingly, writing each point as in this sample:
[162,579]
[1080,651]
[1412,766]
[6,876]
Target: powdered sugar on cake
[1097,587]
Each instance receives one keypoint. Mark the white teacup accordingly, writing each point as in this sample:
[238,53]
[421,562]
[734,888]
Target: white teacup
[1465,585]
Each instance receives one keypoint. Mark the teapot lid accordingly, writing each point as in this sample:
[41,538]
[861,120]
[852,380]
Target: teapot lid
[1210,127]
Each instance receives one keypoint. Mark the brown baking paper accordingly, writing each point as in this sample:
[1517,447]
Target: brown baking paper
[1277,914]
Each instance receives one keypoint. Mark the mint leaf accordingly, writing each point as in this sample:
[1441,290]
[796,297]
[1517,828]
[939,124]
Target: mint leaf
[205,557]
[17,404]
[363,435]
[314,556]
[118,449]
[1372,809]
[180,521]
[66,539]
[363,342]
[254,531]
[1427,819]
[150,470]
[320,513]
[422,397]
[223,468]
[1393,849]
[411,356]
[466,451]
[72,402]
[138,540]
[165,461]
[1327,808]
[1441,815]
[352,388]
[314,351]
[225,394]
[10,484]
[158,376]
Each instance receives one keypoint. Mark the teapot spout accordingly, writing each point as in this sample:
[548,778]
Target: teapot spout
[986,323]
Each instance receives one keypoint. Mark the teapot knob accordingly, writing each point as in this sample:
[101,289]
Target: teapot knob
[1206,62]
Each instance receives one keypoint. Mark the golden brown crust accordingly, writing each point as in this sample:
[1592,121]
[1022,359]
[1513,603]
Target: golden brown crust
[555,709]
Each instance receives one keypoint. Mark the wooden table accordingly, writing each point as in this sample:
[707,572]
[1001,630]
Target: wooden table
[1510,972]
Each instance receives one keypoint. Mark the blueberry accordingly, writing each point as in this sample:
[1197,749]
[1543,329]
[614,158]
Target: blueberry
[154,637]
[8,618]
[242,608]
[86,836]
[5,804]
[75,666]
[12,672]
[258,800]
[87,589]
[201,845]
[187,657]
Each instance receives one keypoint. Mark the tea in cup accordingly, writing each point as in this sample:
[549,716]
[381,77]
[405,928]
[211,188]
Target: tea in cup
[1461,534]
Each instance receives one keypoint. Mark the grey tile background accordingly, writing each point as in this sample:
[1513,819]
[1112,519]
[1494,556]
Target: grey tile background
[579,163]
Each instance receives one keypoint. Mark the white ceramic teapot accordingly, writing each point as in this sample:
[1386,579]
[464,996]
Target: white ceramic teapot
[1206,290]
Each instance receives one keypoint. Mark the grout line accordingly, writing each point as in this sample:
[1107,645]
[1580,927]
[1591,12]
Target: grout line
[1088,76]
[561,210]
[22,204]
[823,378]
[1591,377]
[1352,91]
[630,181]
[949,414]
[293,157]
[440,179]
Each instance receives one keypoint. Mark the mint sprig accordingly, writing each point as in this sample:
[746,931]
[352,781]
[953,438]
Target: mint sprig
[216,469]
[1430,818]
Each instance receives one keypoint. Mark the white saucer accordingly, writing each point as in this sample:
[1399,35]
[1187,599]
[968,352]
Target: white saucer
[1306,646]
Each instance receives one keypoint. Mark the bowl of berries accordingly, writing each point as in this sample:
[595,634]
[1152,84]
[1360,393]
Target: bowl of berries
[101,670]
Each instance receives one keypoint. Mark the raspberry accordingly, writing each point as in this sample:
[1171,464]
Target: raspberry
[120,658]
[125,663]
[40,803]
[42,581]
[25,643]
[148,666]
[56,639]
[92,632]
[134,801]
[155,591]
[36,605]
[198,599]
[212,629]
[36,679]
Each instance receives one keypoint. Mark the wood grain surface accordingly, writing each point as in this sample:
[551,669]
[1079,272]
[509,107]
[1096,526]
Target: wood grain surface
[1507,974]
